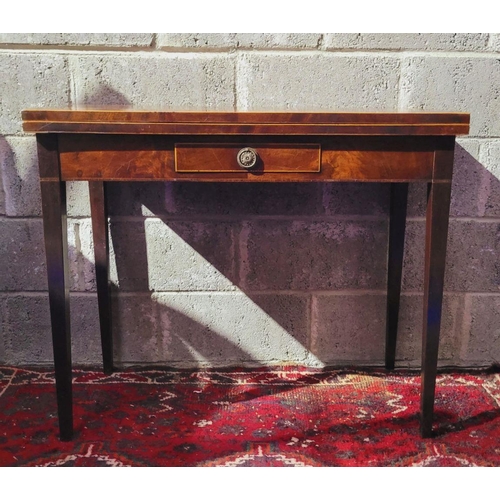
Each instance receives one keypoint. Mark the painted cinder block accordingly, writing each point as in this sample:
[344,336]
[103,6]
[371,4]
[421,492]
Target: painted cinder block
[481,341]
[139,198]
[471,259]
[349,198]
[350,329]
[470,184]
[232,328]
[250,200]
[81,255]
[78,199]
[2,196]
[160,81]
[85,330]
[27,332]
[174,256]
[417,199]
[22,255]
[3,319]
[204,254]
[322,81]
[33,80]
[409,344]
[452,83]
[207,199]
[292,259]
[231,41]
[313,255]
[494,44]
[210,329]
[137,329]
[469,180]
[406,41]
[79,39]
[21,181]
[489,158]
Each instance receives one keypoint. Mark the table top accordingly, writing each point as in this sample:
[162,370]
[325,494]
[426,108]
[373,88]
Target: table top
[243,147]
[237,123]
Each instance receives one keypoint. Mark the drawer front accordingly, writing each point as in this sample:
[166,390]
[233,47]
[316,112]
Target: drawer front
[247,158]
[113,157]
[351,165]
[369,159]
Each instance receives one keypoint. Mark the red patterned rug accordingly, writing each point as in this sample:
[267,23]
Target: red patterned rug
[249,418]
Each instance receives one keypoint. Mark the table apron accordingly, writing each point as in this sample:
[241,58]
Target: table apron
[153,158]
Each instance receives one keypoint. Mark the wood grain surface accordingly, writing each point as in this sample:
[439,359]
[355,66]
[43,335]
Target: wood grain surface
[225,123]
[222,158]
[350,158]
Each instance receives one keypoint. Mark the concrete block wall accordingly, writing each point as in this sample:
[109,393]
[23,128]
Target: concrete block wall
[258,275]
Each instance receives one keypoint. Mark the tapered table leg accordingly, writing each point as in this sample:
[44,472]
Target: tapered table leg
[438,208]
[397,225]
[101,250]
[53,192]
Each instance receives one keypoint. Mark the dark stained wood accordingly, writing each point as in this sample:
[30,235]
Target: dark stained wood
[101,250]
[102,157]
[56,249]
[222,158]
[228,130]
[210,123]
[370,159]
[397,224]
[379,166]
[137,116]
[443,159]
[48,161]
[110,145]
[438,208]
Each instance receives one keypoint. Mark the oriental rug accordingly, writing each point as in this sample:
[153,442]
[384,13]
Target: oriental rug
[287,417]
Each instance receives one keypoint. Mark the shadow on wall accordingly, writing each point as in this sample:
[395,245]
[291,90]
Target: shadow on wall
[209,309]
[5,153]
[306,259]
[105,96]
[251,274]
[309,276]
[240,284]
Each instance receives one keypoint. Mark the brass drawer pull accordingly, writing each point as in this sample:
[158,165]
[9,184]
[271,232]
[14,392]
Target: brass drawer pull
[247,157]
[262,158]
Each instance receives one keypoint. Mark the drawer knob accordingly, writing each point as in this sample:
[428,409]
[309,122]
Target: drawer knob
[247,157]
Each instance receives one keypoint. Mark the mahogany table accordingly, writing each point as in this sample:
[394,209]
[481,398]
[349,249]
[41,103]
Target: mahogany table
[103,146]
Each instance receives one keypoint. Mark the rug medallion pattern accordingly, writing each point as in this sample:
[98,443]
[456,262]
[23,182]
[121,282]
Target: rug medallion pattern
[249,418]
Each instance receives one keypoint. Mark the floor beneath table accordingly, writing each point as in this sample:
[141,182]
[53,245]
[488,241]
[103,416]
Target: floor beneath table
[286,417]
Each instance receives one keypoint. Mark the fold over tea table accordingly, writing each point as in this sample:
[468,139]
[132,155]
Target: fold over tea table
[107,146]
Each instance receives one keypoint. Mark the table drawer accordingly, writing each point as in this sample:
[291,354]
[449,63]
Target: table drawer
[243,158]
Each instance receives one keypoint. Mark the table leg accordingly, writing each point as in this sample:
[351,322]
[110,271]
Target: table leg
[397,225]
[438,208]
[101,250]
[53,192]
